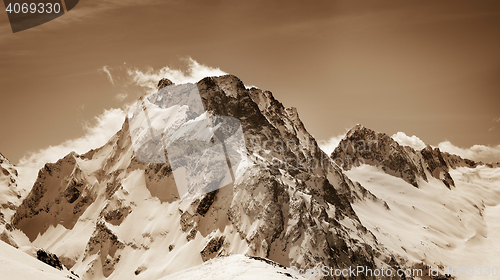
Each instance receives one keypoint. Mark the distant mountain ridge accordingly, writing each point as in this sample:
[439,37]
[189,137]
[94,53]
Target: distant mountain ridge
[379,149]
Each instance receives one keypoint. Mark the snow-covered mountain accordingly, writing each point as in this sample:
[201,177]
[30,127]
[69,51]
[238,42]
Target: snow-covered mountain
[362,145]
[425,205]
[107,214]
[9,195]
[10,198]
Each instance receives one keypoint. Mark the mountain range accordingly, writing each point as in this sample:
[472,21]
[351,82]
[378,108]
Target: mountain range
[372,203]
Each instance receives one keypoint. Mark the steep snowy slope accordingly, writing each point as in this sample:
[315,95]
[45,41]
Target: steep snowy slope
[427,206]
[10,198]
[433,224]
[16,265]
[9,195]
[107,214]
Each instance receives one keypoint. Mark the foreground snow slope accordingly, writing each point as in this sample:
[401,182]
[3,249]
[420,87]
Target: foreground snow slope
[17,265]
[433,224]
[235,267]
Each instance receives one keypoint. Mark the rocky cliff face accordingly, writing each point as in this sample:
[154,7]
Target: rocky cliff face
[365,146]
[106,214]
[60,195]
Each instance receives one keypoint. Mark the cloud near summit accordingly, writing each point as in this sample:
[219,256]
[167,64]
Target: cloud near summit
[195,72]
[477,152]
[412,141]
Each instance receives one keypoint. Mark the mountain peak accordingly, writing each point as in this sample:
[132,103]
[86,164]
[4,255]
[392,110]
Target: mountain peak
[360,132]
[356,128]
[164,83]
[4,159]
[6,167]
[362,145]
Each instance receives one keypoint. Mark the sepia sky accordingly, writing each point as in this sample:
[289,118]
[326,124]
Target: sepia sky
[426,68]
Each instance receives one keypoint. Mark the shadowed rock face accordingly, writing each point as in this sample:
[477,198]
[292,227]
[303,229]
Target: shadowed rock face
[105,244]
[437,165]
[60,194]
[363,145]
[267,124]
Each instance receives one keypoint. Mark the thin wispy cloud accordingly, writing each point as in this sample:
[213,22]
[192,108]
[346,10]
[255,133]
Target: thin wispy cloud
[105,70]
[495,120]
[121,96]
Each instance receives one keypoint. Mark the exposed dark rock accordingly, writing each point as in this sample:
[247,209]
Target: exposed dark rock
[270,262]
[116,216]
[160,182]
[164,83]
[139,270]
[7,238]
[365,146]
[191,235]
[437,166]
[212,248]
[5,171]
[67,262]
[49,258]
[101,236]
[73,191]
[205,203]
